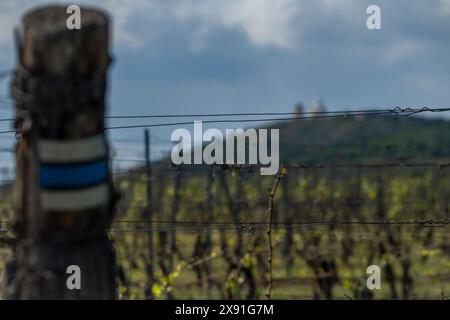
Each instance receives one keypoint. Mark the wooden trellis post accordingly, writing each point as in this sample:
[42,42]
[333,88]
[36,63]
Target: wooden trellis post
[64,196]
[208,242]
[149,215]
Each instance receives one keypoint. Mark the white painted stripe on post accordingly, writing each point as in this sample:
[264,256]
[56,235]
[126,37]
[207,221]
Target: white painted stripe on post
[63,151]
[75,200]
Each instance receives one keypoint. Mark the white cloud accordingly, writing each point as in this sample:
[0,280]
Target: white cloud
[444,7]
[9,11]
[121,11]
[348,9]
[264,22]
[284,24]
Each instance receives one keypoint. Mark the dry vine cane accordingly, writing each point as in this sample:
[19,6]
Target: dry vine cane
[281,173]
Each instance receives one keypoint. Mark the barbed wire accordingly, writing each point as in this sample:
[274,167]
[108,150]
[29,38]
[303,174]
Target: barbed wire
[283,224]
[350,165]
[129,160]
[371,165]
[383,145]
[243,114]
[249,226]
[397,112]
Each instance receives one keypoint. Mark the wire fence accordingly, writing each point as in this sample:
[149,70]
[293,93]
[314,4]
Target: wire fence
[217,197]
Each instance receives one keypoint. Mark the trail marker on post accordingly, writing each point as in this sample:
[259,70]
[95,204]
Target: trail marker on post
[64,196]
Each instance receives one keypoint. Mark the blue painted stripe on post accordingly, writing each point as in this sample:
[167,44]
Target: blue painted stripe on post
[73,176]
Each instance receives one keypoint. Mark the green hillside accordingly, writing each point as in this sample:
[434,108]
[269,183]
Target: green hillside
[363,139]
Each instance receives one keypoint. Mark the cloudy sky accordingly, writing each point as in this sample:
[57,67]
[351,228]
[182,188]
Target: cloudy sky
[175,56]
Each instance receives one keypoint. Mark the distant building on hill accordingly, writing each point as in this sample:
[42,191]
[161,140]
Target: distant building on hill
[298,109]
[317,107]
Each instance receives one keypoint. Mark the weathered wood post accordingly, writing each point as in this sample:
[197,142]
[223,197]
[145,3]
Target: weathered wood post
[64,196]
[149,214]
[208,242]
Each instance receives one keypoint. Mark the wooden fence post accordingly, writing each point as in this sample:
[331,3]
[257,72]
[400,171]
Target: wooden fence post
[64,195]
[149,215]
[173,220]
[208,242]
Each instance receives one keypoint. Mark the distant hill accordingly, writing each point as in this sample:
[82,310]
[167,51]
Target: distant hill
[372,139]
[363,139]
